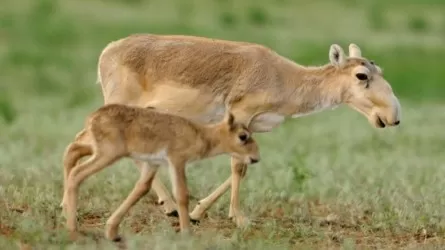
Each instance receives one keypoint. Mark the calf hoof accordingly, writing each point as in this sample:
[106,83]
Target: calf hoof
[117,239]
[194,222]
[169,208]
[173,213]
[185,232]
[241,221]
[119,242]
[74,235]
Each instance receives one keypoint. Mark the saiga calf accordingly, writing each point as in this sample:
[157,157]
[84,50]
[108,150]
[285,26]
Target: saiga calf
[200,78]
[115,131]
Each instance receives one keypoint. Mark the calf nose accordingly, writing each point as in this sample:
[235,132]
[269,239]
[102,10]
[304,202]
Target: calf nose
[253,160]
[396,122]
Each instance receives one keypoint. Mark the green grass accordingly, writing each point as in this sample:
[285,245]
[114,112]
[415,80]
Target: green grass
[326,181]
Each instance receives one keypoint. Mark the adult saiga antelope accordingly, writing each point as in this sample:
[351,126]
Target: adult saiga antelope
[198,78]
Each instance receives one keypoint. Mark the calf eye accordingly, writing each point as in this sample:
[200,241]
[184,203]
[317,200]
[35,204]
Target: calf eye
[243,137]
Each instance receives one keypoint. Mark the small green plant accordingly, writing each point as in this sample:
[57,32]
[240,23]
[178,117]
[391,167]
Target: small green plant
[300,172]
[227,19]
[50,27]
[257,16]
[418,24]
[7,112]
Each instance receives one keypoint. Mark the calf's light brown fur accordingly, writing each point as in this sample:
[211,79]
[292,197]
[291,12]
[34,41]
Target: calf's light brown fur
[200,78]
[115,131]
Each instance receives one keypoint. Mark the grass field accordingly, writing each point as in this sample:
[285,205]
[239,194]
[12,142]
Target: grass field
[326,181]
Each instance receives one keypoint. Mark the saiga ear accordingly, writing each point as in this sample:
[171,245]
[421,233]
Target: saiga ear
[354,51]
[337,55]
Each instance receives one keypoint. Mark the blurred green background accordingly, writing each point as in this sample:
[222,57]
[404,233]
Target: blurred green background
[48,56]
[49,48]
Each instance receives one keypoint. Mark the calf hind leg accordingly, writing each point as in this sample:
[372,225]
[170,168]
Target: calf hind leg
[96,163]
[73,153]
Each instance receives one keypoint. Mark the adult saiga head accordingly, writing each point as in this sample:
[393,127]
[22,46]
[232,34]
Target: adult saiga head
[365,88]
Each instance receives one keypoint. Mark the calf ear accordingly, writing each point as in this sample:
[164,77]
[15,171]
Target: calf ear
[337,55]
[230,120]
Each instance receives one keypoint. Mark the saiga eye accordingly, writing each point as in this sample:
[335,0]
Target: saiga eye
[361,76]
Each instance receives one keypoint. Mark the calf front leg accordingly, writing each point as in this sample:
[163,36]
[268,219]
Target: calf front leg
[164,198]
[204,204]
[180,189]
[239,170]
[140,189]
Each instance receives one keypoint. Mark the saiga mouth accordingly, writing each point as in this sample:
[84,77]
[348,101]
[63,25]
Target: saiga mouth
[380,123]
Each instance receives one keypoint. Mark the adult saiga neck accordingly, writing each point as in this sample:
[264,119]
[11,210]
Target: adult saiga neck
[310,88]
